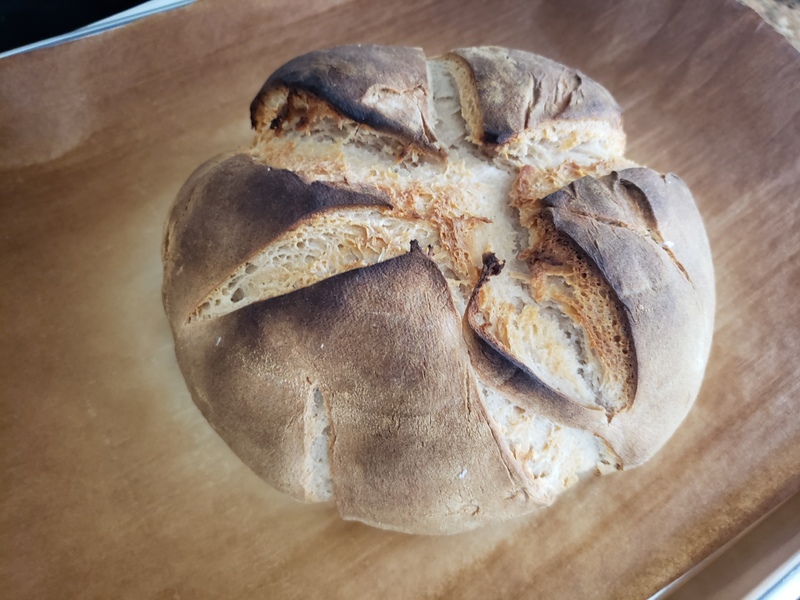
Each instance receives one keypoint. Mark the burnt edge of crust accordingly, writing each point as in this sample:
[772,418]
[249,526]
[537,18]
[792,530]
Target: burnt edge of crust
[261,201]
[340,77]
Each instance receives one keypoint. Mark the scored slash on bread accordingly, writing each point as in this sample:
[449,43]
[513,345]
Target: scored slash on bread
[599,255]
[435,291]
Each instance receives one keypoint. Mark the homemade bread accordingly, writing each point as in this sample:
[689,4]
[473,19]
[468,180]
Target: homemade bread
[435,292]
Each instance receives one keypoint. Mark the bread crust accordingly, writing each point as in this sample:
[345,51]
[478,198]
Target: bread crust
[413,414]
[382,87]
[228,210]
[517,91]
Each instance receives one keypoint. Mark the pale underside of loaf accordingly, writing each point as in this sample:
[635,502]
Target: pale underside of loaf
[460,209]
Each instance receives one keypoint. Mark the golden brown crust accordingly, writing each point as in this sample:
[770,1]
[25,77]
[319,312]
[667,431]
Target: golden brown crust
[518,90]
[382,87]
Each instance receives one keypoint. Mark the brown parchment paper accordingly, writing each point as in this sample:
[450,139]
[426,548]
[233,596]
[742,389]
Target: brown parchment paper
[111,483]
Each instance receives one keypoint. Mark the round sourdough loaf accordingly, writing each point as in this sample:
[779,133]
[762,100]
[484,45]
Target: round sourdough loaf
[435,292]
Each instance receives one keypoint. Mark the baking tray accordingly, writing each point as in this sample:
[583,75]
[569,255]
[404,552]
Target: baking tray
[112,483]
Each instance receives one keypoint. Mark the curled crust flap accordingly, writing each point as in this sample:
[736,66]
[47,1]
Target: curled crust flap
[518,90]
[661,209]
[383,87]
[668,317]
[228,210]
[411,446]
